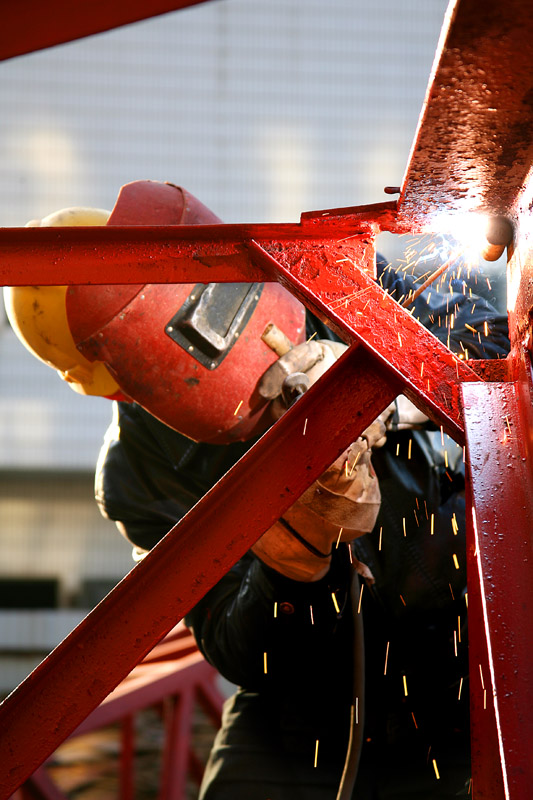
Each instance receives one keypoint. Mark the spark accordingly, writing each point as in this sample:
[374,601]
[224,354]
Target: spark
[414,720]
[403,601]
[311,612]
[339,538]
[380,537]
[337,609]
[409,450]
[466,599]
[305,426]
[451,592]
[312,336]
[398,449]
[432,524]
[400,340]
[404,685]
[360,598]
[237,409]
[488,284]
[455,643]
[446,459]
[436,769]
[486,328]
[316,753]
[455,526]
[357,711]
[265,663]
[386,658]
[470,328]
[403,522]
[459,628]
[455,561]
[460,689]
[422,369]
[275,609]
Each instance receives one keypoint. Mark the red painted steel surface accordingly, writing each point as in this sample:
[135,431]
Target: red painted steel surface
[165,253]
[501,581]
[93,659]
[474,148]
[29,25]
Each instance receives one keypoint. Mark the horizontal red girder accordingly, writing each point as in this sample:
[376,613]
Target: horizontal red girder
[28,25]
[313,266]
[150,600]
[500,582]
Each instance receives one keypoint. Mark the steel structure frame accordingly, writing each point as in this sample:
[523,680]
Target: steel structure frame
[473,151]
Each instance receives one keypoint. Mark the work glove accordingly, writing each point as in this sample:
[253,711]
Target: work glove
[295,371]
[344,502]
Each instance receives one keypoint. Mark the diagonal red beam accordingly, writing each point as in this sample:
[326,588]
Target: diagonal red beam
[149,601]
[29,25]
[473,148]
[500,579]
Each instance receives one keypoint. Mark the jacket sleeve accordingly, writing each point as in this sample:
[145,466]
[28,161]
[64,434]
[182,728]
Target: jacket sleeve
[258,627]
[463,320]
[148,476]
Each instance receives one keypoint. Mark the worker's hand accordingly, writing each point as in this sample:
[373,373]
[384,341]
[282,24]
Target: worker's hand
[293,373]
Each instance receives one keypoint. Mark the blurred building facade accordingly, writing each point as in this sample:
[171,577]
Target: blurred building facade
[262,110]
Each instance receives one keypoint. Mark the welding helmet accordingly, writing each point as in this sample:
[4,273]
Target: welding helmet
[190,354]
[38,316]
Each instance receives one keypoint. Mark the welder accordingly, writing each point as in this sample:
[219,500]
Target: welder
[326,706]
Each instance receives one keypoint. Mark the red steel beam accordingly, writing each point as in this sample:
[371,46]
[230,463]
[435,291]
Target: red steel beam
[29,25]
[473,149]
[148,602]
[319,269]
[166,253]
[500,585]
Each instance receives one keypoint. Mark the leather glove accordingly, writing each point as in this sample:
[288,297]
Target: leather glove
[308,362]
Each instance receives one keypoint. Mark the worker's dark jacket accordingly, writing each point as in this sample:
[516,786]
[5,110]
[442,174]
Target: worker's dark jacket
[292,646]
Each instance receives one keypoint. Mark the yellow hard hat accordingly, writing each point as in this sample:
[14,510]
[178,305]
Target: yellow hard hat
[38,316]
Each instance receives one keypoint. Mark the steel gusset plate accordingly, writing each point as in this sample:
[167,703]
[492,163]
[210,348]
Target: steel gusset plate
[473,148]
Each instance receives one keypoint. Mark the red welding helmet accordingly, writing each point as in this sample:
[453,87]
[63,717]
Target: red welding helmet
[190,354]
